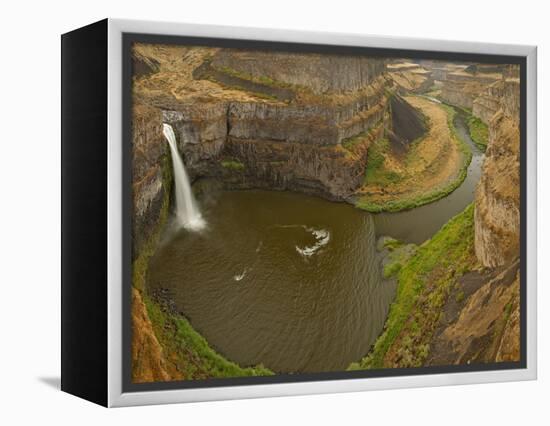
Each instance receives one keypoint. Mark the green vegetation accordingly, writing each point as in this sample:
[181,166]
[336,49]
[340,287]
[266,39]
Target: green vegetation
[424,283]
[463,146]
[399,255]
[392,269]
[194,357]
[257,94]
[264,80]
[375,173]
[391,244]
[507,310]
[479,132]
[352,142]
[242,82]
[233,165]
[234,73]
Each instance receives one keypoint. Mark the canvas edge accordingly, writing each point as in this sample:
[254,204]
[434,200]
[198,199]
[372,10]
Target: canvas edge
[116,397]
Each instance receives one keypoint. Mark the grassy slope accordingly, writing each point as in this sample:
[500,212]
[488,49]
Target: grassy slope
[479,132]
[375,170]
[232,165]
[424,283]
[189,351]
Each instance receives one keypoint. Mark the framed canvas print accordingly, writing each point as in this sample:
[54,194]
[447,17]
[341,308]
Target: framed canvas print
[252,213]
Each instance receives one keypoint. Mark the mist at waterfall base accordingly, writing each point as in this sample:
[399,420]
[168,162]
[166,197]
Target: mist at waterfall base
[187,211]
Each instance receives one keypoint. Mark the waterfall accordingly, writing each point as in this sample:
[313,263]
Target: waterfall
[187,212]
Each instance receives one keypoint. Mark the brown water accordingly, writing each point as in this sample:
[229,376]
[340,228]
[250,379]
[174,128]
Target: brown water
[278,278]
[289,280]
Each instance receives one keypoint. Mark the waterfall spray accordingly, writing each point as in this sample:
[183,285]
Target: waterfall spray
[187,212]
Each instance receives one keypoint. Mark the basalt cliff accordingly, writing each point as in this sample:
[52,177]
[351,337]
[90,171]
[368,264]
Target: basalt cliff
[497,215]
[283,123]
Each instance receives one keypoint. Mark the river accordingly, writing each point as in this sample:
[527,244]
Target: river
[419,224]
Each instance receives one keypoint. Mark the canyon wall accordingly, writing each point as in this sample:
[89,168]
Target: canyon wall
[497,213]
[503,94]
[286,147]
[492,92]
[411,77]
[296,144]
[321,73]
[150,183]
[462,88]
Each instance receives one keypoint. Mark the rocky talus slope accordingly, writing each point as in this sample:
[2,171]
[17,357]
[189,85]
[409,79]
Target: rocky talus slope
[277,120]
[320,73]
[462,88]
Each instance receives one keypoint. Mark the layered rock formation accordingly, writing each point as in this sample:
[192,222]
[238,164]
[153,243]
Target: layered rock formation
[502,94]
[497,215]
[411,77]
[322,74]
[462,88]
[283,140]
[285,147]
[151,185]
